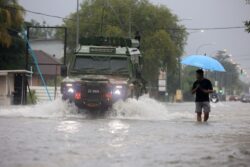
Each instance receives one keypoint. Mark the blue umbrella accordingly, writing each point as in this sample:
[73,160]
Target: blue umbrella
[204,62]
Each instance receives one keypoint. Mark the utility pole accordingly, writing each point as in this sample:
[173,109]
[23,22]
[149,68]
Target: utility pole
[129,31]
[102,20]
[77,23]
[180,69]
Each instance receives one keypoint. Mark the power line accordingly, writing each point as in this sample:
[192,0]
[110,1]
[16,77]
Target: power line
[47,15]
[218,28]
[176,29]
[38,13]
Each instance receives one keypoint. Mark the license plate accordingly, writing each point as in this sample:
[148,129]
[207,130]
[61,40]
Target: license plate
[93,91]
[92,105]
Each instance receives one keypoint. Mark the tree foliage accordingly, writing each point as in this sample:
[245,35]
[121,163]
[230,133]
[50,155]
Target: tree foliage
[247,24]
[13,56]
[188,78]
[11,17]
[229,79]
[12,47]
[41,33]
[162,38]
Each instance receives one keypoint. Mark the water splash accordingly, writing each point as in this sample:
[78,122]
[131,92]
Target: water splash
[145,109]
[54,109]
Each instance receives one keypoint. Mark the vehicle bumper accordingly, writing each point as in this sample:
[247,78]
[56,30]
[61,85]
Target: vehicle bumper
[93,105]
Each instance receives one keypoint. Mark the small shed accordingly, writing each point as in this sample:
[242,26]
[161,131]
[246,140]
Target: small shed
[12,86]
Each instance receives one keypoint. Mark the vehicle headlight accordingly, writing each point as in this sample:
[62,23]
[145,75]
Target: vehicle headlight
[117,92]
[71,90]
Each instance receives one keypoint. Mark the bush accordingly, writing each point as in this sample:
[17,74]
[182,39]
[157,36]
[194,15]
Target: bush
[31,97]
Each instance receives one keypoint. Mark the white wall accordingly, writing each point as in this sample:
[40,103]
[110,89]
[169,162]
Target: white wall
[52,47]
[6,88]
[41,93]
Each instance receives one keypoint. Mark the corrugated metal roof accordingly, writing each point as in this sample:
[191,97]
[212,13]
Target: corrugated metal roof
[45,58]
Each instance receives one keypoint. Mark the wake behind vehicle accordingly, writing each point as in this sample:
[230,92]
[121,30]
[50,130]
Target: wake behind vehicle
[102,71]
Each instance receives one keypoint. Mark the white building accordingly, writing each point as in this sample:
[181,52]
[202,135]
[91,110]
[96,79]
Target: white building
[53,47]
[12,86]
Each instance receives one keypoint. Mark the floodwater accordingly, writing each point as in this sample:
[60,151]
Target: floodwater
[136,133]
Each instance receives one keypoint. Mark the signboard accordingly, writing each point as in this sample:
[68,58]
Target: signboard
[162,83]
[102,50]
[216,83]
[162,89]
[178,96]
[162,75]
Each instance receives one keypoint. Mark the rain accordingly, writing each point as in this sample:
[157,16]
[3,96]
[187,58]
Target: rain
[124,83]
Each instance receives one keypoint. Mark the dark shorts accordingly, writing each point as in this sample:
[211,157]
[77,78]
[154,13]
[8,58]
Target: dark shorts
[202,106]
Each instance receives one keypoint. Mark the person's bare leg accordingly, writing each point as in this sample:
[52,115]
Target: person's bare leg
[198,116]
[206,116]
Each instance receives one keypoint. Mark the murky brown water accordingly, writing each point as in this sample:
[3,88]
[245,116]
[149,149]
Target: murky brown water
[140,133]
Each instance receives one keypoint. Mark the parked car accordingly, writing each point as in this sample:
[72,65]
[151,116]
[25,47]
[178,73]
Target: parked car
[234,98]
[245,98]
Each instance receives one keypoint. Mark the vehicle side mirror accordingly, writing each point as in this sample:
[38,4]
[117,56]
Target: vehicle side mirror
[64,70]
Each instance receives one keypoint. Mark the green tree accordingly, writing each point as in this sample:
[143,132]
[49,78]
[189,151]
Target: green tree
[247,24]
[11,17]
[161,50]
[41,33]
[229,79]
[11,45]
[162,38]
[188,78]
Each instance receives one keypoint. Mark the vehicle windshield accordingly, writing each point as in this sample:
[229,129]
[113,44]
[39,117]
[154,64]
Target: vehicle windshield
[101,65]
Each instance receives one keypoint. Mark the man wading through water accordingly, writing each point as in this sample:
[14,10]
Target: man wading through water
[201,88]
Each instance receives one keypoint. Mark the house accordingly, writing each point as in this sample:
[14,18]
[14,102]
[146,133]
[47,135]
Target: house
[50,68]
[12,82]
[53,47]
[12,86]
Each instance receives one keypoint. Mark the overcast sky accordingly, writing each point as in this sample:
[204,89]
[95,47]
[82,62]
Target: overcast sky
[199,14]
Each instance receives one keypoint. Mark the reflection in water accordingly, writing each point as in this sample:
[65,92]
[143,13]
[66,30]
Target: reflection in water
[119,130]
[117,126]
[68,127]
[172,140]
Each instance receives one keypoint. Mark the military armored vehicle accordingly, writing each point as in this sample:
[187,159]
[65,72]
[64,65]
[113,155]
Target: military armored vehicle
[102,71]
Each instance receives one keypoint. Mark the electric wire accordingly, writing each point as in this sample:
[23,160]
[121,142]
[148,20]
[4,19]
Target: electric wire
[176,29]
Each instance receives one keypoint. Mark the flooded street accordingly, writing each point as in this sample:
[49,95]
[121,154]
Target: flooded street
[60,58]
[137,133]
